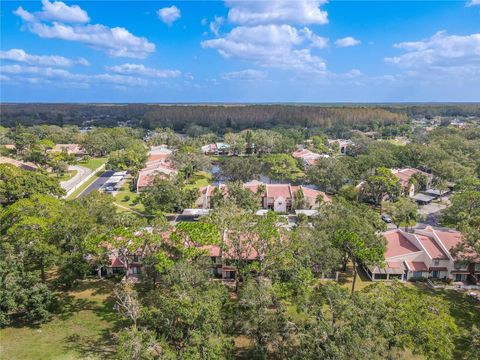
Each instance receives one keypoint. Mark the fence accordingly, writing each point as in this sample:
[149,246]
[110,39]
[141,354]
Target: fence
[83,181]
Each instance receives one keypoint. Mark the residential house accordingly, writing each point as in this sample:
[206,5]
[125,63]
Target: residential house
[277,197]
[308,157]
[158,164]
[223,260]
[70,149]
[216,149]
[343,145]
[130,268]
[404,176]
[425,253]
[25,165]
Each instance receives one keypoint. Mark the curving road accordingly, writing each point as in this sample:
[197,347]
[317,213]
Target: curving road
[82,173]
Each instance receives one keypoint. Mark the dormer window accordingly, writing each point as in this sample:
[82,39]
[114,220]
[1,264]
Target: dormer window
[436,262]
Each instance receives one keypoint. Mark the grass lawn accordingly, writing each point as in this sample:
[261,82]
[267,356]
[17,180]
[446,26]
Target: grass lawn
[125,193]
[199,179]
[83,328]
[84,186]
[66,176]
[346,278]
[93,163]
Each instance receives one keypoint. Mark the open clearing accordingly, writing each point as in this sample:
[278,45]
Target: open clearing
[83,328]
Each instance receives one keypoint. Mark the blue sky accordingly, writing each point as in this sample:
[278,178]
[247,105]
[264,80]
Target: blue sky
[240,51]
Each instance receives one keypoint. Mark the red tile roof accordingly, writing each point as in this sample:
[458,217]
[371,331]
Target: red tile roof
[404,175]
[394,264]
[116,262]
[279,190]
[416,266]
[449,239]
[432,248]
[397,244]
[156,157]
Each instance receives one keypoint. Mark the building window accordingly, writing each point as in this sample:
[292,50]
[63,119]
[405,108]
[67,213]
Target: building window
[436,262]
[477,267]
[458,277]
[417,274]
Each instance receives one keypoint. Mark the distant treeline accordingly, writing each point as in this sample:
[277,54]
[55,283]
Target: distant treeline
[219,118]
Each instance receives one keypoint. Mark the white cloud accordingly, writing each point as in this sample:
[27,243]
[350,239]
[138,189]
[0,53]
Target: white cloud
[353,73]
[245,75]
[347,41]
[216,24]
[316,41]
[59,11]
[472,3]
[440,51]
[269,46]
[140,69]
[117,41]
[169,14]
[61,76]
[277,12]
[24,14]
[19,55]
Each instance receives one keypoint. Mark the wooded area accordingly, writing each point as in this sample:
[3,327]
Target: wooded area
[221,117]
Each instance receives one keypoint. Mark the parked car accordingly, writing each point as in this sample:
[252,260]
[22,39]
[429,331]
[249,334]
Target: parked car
[386,218]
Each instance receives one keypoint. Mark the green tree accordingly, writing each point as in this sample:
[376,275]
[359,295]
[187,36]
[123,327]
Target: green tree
[380,185]
[403,211]
[329,174]
[16,184]
[281,167]
[27,226]
[167,196]
[298,200]
[240,168]
[237,143]
[132,158]
[261,317]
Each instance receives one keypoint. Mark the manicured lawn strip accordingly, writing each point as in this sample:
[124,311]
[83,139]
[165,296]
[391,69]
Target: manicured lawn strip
[199,180]
[83,328]
[93,163]
[84,186]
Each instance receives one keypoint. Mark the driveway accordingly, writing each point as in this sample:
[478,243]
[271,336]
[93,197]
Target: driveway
[82,173]
[432,211]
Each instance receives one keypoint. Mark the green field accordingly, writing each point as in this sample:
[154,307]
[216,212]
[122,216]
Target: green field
[83,328]
[126,198]
[93,163]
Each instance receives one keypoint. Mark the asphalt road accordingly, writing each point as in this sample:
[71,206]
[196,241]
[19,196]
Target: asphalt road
[97,184]
[82,173]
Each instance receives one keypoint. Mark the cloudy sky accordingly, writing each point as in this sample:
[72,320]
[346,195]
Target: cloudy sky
[240,51]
